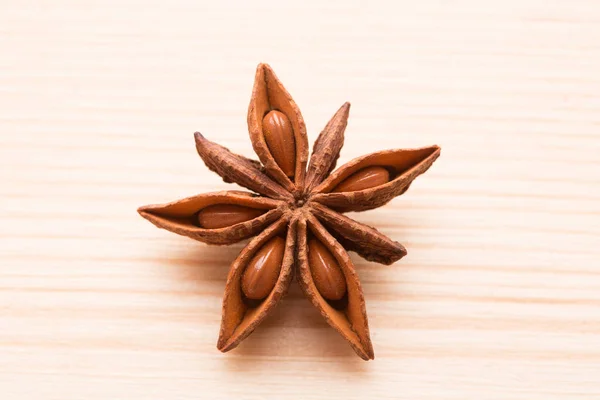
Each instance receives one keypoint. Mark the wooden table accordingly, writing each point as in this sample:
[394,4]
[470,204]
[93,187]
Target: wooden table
[499,297]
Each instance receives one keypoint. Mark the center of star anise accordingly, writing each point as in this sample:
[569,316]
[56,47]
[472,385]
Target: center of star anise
[299,201]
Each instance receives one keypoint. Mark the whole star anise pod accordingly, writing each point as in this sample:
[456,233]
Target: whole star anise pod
[296,216]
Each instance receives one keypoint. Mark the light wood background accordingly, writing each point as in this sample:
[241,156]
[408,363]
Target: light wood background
[499,297]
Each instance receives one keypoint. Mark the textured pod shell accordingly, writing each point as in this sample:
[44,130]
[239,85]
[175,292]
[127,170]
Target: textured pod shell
[178,216]
[326,149]
[236,168]
[365,240]
[239,317]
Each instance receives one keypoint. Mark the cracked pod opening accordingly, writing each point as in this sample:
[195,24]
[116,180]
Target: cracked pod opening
[277,130]
[215,218]
[371,181]
[347,314]
[245,305]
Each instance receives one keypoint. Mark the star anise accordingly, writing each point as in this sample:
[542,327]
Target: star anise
[295,215]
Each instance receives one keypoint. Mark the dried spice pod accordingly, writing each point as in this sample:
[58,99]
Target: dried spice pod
[295,218]
[235,168]
[326,150]
[351,320]
[404,165]
[181,216]
[241,316]
[365,240]
[268,95]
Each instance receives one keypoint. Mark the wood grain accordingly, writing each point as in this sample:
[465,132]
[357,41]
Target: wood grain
[499,296]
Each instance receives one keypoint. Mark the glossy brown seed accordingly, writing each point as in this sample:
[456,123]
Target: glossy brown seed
[262,271]
[222,215]
[326,272]
[279,136]
[366,178]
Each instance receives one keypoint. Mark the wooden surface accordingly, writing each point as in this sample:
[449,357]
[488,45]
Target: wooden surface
[499,297]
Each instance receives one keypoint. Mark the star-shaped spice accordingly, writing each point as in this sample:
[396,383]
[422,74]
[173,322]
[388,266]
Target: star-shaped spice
[295,215]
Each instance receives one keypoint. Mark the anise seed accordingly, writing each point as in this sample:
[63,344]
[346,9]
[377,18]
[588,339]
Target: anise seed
[365,178]
[222,215]
[279,136]
[326,272]
[262,271]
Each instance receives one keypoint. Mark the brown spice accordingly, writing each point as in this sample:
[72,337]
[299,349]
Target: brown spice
[260,276]
[295,216]
[279,136]
[366,178]
[326,273]
[223,215]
